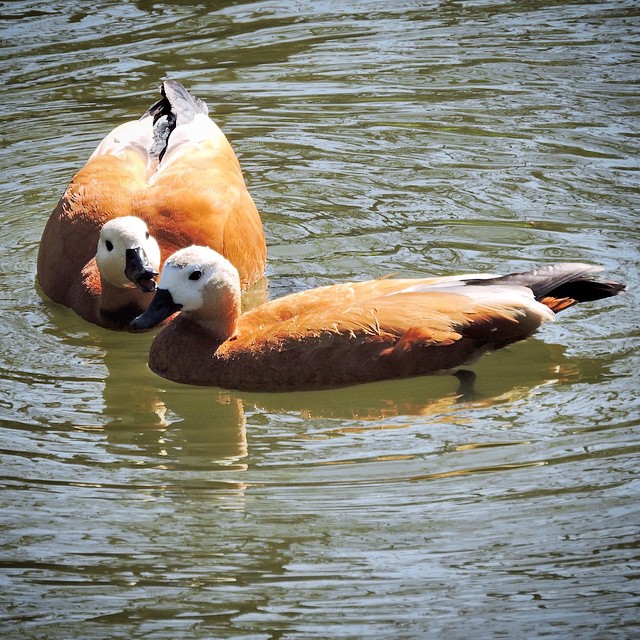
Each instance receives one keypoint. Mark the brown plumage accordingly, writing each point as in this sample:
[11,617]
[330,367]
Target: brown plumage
[174,169]
[347,333]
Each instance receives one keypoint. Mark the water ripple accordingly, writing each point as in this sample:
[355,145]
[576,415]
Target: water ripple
[376,139]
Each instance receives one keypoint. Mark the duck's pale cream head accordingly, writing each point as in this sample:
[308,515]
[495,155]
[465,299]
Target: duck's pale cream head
[200,282]
[128,255]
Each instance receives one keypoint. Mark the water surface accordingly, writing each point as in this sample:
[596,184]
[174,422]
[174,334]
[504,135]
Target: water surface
[414,138]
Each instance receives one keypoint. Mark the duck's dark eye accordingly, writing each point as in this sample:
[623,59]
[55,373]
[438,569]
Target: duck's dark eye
[146,235]
[109,245]
[195,275]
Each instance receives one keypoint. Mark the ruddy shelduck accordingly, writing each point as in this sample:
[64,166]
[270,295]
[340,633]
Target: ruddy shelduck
[173,169]
[349,333]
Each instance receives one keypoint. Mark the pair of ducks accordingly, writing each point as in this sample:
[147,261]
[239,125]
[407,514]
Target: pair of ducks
[167,190]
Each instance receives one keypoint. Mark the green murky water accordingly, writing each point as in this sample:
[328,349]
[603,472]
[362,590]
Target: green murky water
[412,138]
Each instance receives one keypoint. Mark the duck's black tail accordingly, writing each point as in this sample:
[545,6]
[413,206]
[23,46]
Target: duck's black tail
[177,106]
[560,285]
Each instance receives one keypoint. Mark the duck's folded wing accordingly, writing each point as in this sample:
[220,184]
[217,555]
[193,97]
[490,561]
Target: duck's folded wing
[398,320]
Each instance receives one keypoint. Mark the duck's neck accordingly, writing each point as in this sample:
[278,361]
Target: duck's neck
[219,318]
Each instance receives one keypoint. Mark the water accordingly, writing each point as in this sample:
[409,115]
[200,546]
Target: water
[411,138]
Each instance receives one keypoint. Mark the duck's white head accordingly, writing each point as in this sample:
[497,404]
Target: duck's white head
[200,282]
[128,255]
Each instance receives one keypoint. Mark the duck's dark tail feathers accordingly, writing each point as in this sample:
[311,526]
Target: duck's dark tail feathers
[561,285]
[177,106]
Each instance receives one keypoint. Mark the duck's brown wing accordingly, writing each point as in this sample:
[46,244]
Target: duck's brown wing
[369,331]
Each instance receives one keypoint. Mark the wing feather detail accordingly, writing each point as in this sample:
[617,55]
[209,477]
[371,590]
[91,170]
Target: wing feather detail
[367,312]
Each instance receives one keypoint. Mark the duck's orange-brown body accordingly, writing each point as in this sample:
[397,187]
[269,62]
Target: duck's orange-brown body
[334,336]
[360,332]
[193,192]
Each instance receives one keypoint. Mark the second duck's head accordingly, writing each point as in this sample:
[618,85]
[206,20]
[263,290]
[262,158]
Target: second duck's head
[128,255]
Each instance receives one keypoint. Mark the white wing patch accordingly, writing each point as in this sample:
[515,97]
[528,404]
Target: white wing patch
[136,133]
[498,295]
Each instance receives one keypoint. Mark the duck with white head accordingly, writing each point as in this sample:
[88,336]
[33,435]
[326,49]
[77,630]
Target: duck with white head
[348,333]
[170,175]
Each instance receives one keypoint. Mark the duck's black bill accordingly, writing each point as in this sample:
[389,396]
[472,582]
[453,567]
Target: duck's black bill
[162,306]
[139,270]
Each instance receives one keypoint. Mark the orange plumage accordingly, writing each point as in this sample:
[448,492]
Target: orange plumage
[183,180]
[346,333]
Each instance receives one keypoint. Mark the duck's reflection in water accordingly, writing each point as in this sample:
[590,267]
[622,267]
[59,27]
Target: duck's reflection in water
[206,423]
